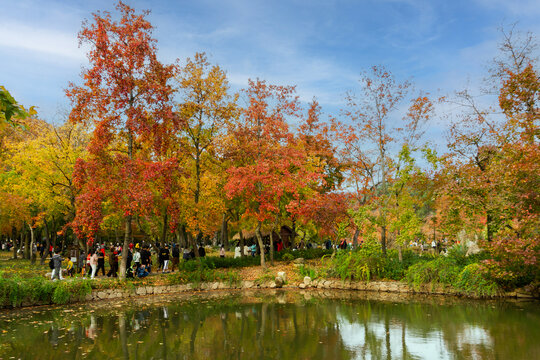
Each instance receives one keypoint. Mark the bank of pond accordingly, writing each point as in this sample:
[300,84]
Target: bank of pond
[455,273]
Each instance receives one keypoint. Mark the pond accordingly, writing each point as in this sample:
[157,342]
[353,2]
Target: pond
[275,325]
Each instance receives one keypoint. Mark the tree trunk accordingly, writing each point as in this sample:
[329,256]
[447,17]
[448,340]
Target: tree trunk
[47,243]
[225,231]
[182,238]
[177,235]
[82,244]
[242,243]
[165,226]
[53,238]
[261,245]
[293,236]
[272,247]
[125,248]
[383,239]
[355,237]
[489,226]
[400,248]
[193,244]
[14,237]
[26,246]
[31,247]
[128,218]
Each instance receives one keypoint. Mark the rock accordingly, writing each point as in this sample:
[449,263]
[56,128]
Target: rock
[282,275]
[140,291]
[523,293]
[272,285]
[279,282]
[247,284]
[215,286]
[299,261]
[102,295]
[302,286]
[307,280]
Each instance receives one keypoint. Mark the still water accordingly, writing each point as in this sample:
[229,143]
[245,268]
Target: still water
[275,325]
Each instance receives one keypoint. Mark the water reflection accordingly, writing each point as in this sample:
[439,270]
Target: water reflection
[275,325]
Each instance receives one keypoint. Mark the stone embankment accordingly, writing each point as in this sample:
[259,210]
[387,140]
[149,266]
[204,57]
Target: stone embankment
[373,286]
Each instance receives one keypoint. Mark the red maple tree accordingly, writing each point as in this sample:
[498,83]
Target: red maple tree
[126,97]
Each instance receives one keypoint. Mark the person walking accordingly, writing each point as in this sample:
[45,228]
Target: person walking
[100,261]
[94,261]
[57,262]
[202,251]
[137,258]
[165,254]
[113,262]
[81,263]
[146,258]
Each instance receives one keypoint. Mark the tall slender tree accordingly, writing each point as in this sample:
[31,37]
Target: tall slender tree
[207,107]
[272,166]
[126,96]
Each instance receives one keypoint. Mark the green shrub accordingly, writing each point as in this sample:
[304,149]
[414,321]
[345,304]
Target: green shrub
[214,262]
[308,254]
[287,257]
[13,291]
[307,271]
[441,270]
[70,291]
[61,294]
[363,264]
[43,290]
[458,254]
[38,290]
[474,280]
[265,277]
[231,277]
[421,273]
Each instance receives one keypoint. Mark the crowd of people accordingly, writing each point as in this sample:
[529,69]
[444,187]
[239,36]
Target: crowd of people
[139,262]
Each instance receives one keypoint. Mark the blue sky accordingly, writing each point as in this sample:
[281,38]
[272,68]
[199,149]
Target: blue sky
[320,46]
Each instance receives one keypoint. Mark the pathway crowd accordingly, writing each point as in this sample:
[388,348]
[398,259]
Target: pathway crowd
[139,261]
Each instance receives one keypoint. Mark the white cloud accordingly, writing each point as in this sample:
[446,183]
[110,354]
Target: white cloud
[41,40]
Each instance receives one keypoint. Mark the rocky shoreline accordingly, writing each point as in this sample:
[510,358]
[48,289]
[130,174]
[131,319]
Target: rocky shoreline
[373,286]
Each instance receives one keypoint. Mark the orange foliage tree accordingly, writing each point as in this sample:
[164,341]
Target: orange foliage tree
[126,96]
[271,167]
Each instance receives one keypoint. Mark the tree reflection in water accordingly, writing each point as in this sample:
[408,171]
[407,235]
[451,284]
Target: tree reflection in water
[277,325]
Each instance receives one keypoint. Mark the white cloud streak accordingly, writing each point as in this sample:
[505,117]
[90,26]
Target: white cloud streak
[60,44]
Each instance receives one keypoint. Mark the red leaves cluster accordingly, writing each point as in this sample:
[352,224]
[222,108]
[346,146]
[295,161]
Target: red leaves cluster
[271,166]
[126,94]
